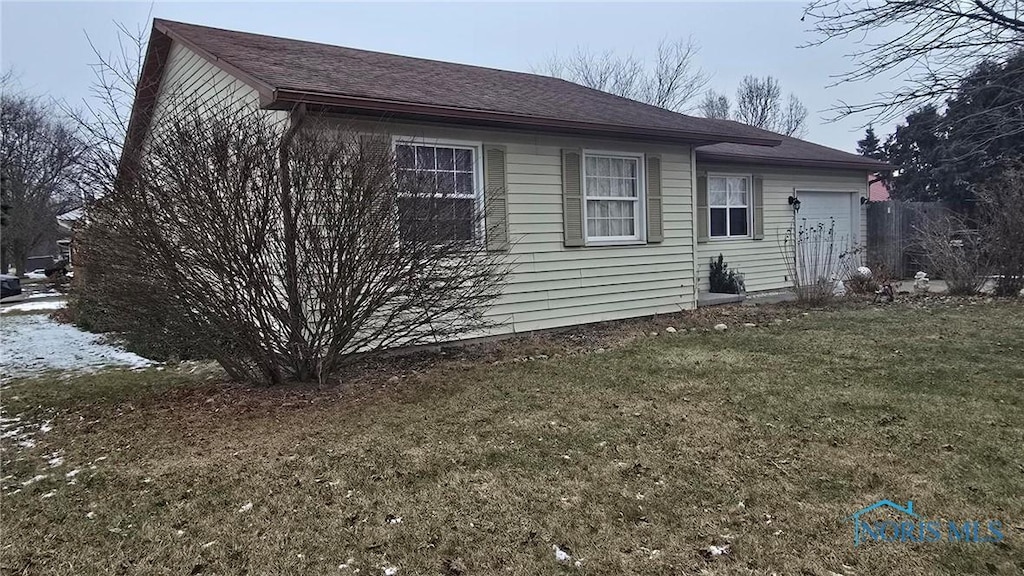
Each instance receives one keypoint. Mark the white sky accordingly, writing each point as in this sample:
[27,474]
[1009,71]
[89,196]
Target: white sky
[45,42]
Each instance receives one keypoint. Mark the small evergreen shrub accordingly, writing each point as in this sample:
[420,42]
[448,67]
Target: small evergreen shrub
[722,280]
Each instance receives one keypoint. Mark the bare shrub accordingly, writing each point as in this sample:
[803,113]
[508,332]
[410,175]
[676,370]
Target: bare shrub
[1002,227]
[849,272]
[814,258]
[954,251]
[283,250]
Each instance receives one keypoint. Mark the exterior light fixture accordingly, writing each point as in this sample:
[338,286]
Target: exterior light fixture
[795,203]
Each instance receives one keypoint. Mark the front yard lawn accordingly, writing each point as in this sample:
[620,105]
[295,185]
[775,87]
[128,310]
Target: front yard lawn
[759,440]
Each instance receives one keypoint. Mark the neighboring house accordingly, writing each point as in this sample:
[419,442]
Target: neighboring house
[614,207]
[67,222]
[877,189]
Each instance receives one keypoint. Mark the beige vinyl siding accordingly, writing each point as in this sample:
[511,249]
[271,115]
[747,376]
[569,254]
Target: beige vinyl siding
[761,261]
[191,80]
[556,286]
[552,285]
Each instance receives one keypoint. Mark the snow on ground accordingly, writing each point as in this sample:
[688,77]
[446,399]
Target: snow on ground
[33,343]
[34,306]
[46,294]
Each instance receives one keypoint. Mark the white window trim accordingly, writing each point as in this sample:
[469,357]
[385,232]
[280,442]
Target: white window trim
[639,216]
[750,213]
[478,168]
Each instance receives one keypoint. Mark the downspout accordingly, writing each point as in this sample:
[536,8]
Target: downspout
[693,221]
[296,343]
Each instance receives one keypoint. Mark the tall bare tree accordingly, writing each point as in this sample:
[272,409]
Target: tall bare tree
[672,82]
[759,103]
[715,105]
[39,160]
[793,121]
[931,44]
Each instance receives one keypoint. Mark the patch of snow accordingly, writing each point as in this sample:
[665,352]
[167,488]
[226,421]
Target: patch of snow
[45,294]
[73,473]
[34,343]
[49,494]
[45,427]
[390,570]
[670,330]
[395,520]
[34,306]
[721,327]
[56,461]
[35,479]
[713,551]
[90,515]
[560,555]
[245,507]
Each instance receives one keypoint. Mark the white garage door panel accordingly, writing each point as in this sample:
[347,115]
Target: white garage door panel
[826,209]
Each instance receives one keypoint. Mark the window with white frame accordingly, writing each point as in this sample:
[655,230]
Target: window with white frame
[439,190]
[729,206]
[613,190]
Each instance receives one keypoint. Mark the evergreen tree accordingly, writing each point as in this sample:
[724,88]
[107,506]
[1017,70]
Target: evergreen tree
[870,146]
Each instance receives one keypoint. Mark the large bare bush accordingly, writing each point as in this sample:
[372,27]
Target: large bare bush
[285,249]
[1002,218]
[954,251]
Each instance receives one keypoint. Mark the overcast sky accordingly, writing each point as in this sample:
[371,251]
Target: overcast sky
[45,42]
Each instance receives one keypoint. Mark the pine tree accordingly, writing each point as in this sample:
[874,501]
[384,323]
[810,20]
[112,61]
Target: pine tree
[870,145]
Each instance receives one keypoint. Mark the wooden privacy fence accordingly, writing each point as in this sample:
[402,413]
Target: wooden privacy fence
[891,234]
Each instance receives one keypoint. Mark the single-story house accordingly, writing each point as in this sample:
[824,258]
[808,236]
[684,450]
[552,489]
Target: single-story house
[614,208]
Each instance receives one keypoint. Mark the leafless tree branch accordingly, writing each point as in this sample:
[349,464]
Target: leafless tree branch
[672,83]
[928,44]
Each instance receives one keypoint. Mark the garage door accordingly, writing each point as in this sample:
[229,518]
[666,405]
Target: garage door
[820,212]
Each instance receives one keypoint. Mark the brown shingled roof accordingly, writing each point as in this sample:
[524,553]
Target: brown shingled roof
[290,71]
[792,152]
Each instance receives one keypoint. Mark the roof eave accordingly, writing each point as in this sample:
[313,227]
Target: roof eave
[286,98]
[263,89]
[148,87]
[798,162]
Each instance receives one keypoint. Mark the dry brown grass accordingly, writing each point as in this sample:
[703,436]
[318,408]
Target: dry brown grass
[633,460]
